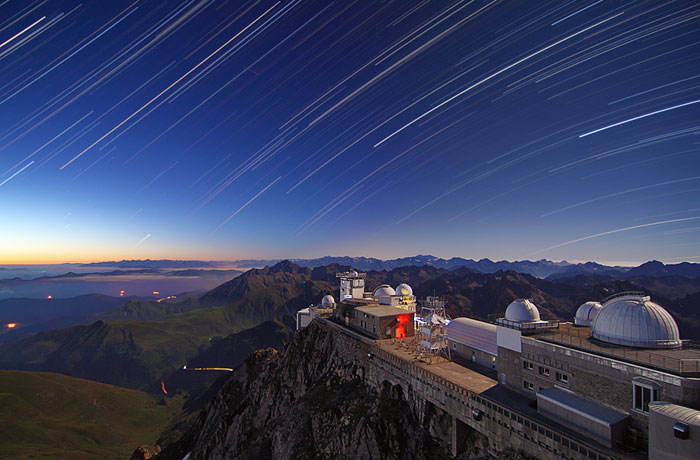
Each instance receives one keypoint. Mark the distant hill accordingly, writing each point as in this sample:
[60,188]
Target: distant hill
[34,315]
[50,416]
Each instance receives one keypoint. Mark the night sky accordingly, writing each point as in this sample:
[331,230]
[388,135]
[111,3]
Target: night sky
[216,129]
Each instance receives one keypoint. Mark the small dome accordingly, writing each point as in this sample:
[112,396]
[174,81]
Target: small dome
[404,289]
[327,300]
[383,291]
[522,311]
[586,313]
[635,321]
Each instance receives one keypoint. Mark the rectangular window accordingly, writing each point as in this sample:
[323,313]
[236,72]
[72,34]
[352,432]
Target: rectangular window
[528,385]
[643,395]
[561,377]
[527,365]
[544,371]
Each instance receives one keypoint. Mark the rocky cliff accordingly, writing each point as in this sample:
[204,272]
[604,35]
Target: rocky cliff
[310,401]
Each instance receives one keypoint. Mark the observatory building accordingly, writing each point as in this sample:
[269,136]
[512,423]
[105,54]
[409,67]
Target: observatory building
[382,313]
[618,375]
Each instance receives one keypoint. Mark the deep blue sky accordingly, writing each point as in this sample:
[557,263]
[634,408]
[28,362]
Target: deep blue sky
[217,129]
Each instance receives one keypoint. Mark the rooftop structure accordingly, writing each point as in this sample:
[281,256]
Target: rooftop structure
[352,285]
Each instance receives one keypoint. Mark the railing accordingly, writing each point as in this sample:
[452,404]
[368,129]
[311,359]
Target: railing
[533,326]
[580,339]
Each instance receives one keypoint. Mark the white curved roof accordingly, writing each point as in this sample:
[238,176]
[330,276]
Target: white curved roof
[522,311]
[404,289]
[586,313]
[635,321]
[473,333]
[327,300]
[383,291]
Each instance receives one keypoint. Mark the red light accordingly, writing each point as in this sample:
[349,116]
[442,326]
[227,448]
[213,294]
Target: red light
[400,332]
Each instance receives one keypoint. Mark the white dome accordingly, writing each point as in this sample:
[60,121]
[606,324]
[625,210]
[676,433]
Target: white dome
[383,291]
[522,311]
[327,300]
[586,313]
[635,321]
[404,289]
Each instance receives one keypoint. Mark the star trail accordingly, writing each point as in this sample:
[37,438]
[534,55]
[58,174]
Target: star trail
[229,129]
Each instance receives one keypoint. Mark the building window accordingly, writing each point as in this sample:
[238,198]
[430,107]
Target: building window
[528,385]
[561,377]
[643,394]
[454,346]
[544,371]
[527,365]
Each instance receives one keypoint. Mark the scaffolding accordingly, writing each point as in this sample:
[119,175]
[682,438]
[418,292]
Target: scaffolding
[431,331]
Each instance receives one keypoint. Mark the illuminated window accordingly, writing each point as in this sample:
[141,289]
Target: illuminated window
[544,371]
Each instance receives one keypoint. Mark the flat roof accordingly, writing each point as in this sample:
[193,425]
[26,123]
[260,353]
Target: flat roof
[382,310]
[575,403]
[680,361]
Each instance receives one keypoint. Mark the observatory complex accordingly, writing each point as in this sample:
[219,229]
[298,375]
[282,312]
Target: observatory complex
[616,382]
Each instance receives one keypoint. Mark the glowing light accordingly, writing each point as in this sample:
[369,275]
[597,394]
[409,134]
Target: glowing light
[11,325]
[49,297]
[162,385]
[156,292]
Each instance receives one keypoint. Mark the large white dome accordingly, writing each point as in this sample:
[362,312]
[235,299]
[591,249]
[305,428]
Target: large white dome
[404,289]
[586,313]
[522,311]
[635,321]
[327,300]
[383,291]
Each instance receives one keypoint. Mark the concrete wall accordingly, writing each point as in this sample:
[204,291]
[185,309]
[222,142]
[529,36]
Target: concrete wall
[471,353]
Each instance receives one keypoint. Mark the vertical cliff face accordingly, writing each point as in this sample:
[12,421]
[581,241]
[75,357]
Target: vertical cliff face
[310,401]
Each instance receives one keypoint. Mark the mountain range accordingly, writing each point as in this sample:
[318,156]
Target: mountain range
[541,268]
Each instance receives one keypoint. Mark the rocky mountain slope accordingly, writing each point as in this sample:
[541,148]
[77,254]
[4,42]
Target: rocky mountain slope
[310,401]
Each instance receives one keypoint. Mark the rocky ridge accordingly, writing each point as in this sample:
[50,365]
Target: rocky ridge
[311,401]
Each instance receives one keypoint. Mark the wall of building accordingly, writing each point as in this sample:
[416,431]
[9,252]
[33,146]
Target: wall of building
[605,380]
[471,353]
[663,445]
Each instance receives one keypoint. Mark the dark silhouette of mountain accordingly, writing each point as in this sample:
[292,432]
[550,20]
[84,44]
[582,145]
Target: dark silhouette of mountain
[657,269]
[587,269]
